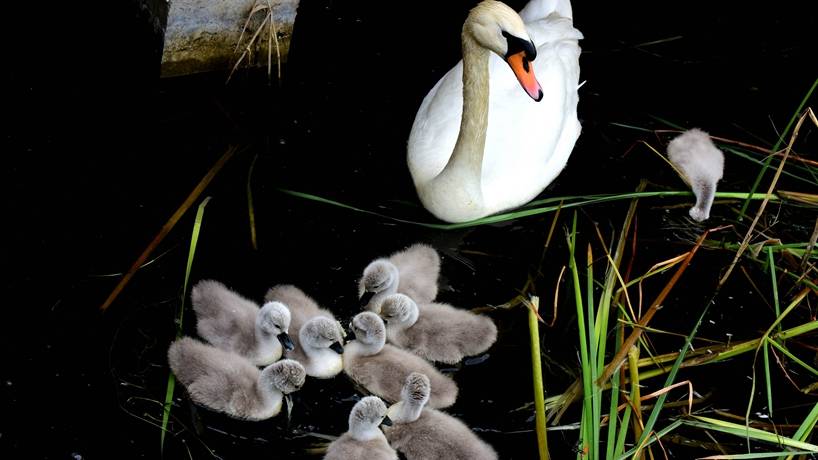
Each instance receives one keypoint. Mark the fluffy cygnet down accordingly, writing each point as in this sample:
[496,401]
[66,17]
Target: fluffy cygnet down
[413,271]
[364,440]
[436,331]
[382,368]
[421,433]
[226,382]
[317,336]
[231,322]
[702,165]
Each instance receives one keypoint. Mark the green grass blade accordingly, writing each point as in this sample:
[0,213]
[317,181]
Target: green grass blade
[194,239]
[778,143]
[623,434]
[744,431]
[671,378]
[750,456]
[774,282]
[595,338]
[806,428]
[536,368]
[792,356]
[527,211]
[767,379]
[653,437]
[760,162]
[614,446]
[587,408]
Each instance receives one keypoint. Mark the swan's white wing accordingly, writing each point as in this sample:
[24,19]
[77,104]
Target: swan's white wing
[436,126]
[539,9]
[528,143]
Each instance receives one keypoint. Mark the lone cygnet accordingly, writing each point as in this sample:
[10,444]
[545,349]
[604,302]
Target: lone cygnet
[318,337]
[382,368]
[702,165]
[421,433]
[413,271]
[233,323]
[226,382]
[364,441]
[436,331]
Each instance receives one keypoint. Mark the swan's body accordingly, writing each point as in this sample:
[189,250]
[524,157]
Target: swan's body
[226,382]
[505,148]
[413,271]
[421,433]
[702,165]
[364,440]
[382,369]
[436,331]
[319,337]
[231,322]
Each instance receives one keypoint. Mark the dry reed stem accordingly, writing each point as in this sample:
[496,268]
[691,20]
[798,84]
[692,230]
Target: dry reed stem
[170,224]
[770,189]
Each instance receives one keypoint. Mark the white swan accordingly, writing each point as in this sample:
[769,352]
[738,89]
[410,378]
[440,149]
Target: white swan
[507,147]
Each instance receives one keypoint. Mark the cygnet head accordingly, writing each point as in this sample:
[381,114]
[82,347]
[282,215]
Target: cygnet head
[416,389]
[380,276]
[398,309]
[498,28]
[286,375]
[366,416]
[369,329]
[322,332]
[274,320]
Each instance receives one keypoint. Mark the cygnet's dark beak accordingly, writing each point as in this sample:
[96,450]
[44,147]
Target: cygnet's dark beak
[366,298]
[337,348]
[285,340]
[387,421]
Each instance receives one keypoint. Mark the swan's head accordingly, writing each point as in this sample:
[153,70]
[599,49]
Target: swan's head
[498,28]
[274,320]
[380,276]
[366,415]
[322,332]
[368,328]
[398,308]
[416,389]
[286,375]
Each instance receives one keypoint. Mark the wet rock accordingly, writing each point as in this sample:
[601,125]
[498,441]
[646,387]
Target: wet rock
[202,35]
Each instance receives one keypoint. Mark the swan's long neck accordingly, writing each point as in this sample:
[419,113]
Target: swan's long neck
[268,348]
[406,411]
[270,395]
[471,141]
[365,431]
[411,318]
[367,349]
[462,174]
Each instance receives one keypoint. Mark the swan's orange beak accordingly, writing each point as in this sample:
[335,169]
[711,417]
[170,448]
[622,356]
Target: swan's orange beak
[524,71]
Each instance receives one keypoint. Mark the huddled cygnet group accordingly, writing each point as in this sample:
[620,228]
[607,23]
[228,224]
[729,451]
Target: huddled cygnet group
[250,356]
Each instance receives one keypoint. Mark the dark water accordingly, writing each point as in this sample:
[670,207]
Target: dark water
[102,153]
